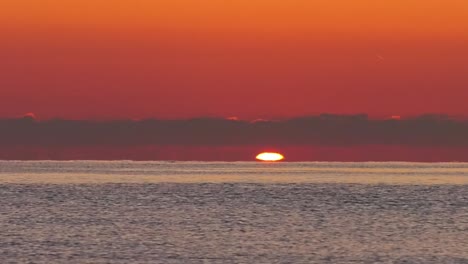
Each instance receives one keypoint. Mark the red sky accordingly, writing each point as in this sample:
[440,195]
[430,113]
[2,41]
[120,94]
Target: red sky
[100,59]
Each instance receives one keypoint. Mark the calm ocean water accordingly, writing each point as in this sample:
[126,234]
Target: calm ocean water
[244,212]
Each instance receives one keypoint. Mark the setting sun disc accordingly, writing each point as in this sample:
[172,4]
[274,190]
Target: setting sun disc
[269,156]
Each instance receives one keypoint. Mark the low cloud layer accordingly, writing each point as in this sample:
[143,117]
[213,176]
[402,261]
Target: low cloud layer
[315,138]
[323,130]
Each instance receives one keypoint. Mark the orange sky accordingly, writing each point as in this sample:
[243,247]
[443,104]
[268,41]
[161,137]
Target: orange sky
[103,59]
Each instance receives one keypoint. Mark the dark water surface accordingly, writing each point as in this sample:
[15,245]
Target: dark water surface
[191,212]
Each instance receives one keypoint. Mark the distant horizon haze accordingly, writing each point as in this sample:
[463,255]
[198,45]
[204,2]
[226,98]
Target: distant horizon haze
[326,137]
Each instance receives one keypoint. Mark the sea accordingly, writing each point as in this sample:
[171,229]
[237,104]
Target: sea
[233,212]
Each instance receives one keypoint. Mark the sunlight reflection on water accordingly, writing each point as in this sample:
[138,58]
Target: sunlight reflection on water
[81,172]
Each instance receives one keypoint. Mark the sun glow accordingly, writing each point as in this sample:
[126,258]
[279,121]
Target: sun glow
[269,156]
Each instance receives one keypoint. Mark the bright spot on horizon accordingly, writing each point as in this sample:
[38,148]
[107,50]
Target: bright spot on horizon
[269,156]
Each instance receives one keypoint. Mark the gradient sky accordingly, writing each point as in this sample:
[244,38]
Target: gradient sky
[101,59]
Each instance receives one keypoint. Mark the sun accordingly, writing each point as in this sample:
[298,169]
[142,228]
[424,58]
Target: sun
[269,156]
